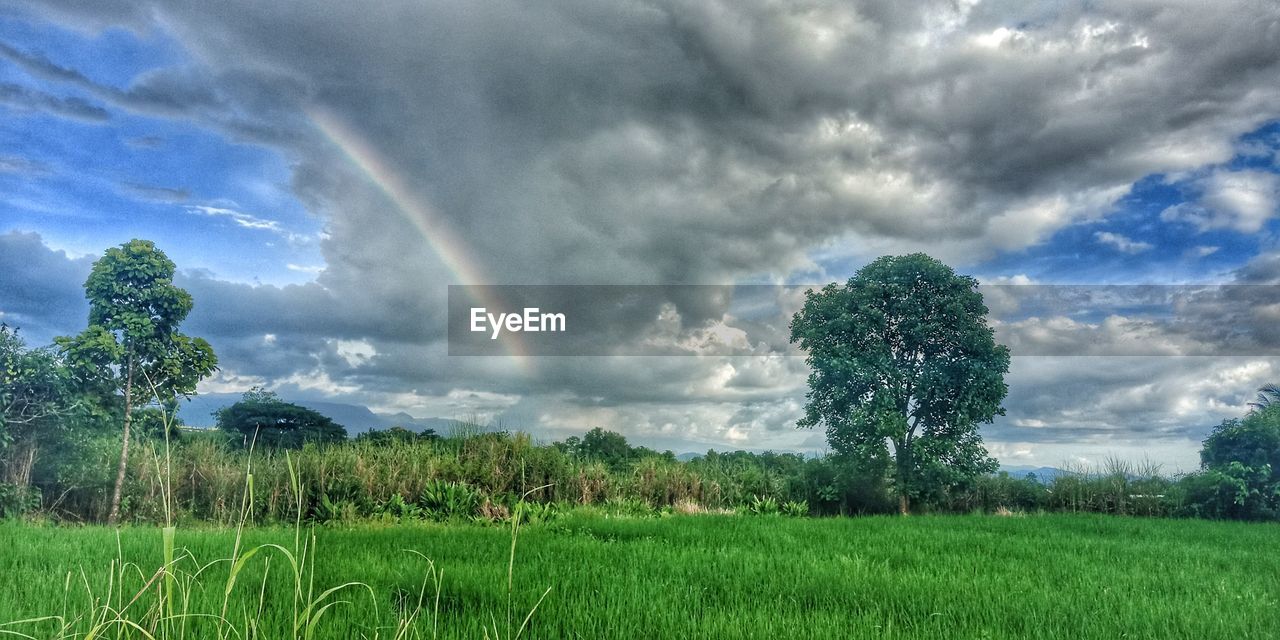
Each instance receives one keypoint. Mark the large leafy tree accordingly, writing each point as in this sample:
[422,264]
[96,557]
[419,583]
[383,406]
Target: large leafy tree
[263,418]
[904,369]
[132,348]
[1241,461]
[36,397]
[1253,441]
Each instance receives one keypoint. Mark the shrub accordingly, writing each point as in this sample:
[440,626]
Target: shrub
[448,500]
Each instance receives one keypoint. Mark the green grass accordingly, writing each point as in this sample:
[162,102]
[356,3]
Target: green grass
[1053,576]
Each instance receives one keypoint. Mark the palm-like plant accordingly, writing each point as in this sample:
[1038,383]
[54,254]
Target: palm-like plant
[1268,395]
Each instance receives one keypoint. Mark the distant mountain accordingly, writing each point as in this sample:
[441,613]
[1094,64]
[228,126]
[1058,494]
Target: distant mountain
[199,412]
[1043,474]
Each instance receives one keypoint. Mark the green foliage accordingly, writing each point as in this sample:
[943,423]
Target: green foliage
[134,313]
[483,476]
[1253,441]
[627,507]
[449,500]
[152,422]
[610,448]
[1240,458]
[902,357]
[764,506]
[397,508]
[1268,394]
[537,512]
[16,500]
[38,407]
[34,388]
[795,509]
[394,436]
[1232,491]
[50,431]
[132,345]
[261,419]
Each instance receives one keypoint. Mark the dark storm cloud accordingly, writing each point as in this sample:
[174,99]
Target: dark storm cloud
[680,142]
[40,289]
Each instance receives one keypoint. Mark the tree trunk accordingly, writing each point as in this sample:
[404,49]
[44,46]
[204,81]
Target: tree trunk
[114,515]
[22,458]
[902,449]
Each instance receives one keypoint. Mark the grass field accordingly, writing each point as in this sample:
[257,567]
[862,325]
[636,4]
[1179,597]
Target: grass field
[1053,576]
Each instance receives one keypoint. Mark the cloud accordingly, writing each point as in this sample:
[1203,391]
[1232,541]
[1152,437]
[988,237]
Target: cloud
[1239,200]
[41,289]
[685,142]
[1121,243]
[156,193]
[771,131]
[28,100]
[145,142]
[18,165]
[248,221]
[1261,269]
[1125,400]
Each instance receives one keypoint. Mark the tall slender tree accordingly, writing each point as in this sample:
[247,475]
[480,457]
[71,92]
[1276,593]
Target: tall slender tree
[132,347]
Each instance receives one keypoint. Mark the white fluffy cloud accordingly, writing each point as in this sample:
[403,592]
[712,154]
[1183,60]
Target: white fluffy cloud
[1241,200]
[1122,243]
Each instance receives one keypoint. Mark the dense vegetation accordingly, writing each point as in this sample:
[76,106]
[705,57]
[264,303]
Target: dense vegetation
[477,475]
[710,576]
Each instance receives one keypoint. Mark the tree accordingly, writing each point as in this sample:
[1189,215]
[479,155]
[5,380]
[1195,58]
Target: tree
[263,418]
[600,445]
[1253,441]
[1240,458]
[132,346]
[396,435]
[904,368]
[35,397]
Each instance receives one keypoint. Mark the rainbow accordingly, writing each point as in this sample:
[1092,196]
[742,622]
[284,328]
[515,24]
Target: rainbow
[440,237]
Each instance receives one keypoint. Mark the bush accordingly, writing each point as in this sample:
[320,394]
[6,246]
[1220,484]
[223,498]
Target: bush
[16,501]
[1233,491]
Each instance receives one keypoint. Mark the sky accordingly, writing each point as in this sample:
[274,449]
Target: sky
[321,173]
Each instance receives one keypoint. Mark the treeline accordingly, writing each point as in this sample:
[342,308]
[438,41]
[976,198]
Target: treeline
[476,475]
